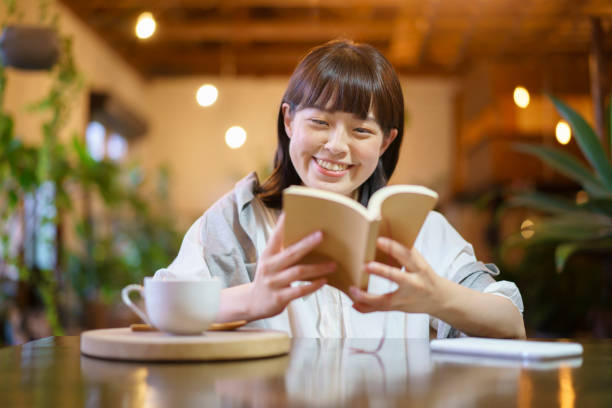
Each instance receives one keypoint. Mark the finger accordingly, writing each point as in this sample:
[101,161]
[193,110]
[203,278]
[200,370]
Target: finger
[386,271]
[363,308]
[303,272]
[402,254]
[292,254]
[275,243]
[287,295]
[377,302]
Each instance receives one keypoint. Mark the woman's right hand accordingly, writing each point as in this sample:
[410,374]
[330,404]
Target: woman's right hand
[271,290]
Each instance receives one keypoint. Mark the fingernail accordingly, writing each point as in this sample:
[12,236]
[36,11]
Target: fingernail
[331,266]
[317,235]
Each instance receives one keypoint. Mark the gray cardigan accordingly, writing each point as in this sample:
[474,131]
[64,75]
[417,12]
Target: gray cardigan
[228,234]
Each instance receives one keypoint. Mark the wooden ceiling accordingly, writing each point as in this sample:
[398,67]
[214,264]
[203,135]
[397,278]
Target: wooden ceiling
[267,37]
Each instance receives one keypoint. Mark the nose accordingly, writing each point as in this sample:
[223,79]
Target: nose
[337,143]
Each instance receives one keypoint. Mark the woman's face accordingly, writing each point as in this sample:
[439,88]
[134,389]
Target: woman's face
[334,151]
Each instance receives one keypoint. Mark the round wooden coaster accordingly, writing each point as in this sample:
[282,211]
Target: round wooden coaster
[125,344]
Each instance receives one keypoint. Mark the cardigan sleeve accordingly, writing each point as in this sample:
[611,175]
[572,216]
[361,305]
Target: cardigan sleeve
[217,245]
[453,258]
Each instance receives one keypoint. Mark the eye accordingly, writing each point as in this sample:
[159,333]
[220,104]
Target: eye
[319,122]
[364,131]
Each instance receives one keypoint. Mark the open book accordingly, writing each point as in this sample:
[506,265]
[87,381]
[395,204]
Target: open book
[350,230]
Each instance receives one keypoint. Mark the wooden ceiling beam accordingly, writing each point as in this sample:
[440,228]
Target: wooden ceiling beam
[281,61]
[317,3]
[206,4]
[430,15]
[281,55]
[466,37]
[405,43]
[292,31]
[407,37]
[595,10]
[246,36]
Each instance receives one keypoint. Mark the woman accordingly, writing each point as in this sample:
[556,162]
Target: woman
[340,126]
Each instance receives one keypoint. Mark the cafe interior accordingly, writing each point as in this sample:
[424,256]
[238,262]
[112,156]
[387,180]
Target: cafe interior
[122,122]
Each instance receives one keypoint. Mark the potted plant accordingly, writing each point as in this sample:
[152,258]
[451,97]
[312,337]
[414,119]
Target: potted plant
[569,228]
[29,47]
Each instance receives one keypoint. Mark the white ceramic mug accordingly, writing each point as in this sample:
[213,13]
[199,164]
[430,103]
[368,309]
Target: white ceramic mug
[177,306]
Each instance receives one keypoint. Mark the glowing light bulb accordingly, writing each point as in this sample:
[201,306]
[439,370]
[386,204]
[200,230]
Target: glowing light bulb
[206,95]
[527,228]
[563,132]
[145,26]
[521,97]
[235,137]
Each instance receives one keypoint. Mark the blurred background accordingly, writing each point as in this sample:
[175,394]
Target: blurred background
[121,122]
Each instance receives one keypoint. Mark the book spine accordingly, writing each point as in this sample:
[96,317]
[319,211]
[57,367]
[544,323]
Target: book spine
[370,249]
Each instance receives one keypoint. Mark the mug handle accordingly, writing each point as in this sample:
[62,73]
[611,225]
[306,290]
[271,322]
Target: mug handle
[125,296]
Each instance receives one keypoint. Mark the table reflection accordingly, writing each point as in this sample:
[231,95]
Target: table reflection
[175,384]
[330,372]
[318,373]
[573,362]
[51,372]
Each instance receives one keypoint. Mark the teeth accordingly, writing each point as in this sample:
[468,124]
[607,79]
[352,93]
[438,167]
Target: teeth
[331,166]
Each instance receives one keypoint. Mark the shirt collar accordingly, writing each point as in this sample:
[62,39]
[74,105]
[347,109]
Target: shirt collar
[244,190]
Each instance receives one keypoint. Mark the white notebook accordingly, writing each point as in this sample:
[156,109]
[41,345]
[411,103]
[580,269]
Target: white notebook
[502,348]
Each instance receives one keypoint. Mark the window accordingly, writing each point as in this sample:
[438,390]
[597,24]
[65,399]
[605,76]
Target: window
[94,136]
[116,147]
[100,146]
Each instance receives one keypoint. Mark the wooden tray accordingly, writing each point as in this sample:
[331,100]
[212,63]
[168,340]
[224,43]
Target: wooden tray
[125,344]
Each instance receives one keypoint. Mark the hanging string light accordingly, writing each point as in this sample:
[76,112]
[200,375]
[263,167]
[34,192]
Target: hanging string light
[521,97]
[235,137]
[145,25]
[563,132]
[206,95]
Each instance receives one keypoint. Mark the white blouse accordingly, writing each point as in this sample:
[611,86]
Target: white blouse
[328,312]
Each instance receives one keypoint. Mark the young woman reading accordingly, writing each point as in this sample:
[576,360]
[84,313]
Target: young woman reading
[340,126]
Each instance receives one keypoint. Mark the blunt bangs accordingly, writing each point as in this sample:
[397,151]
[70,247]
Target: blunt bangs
[351,79]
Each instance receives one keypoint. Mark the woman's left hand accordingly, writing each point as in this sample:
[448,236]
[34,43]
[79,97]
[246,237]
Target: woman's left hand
[418,285]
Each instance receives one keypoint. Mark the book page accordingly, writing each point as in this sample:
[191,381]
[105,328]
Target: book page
[402,214]
[345,230]
[399,189]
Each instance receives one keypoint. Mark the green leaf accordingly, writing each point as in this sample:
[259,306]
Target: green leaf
[567,165]
[603,206]
[512,241]
[578,226]
[564,251]
[610,124]
[40,106]
[13,198]
[587,140]
[81,151]
[568,227]
[543,202]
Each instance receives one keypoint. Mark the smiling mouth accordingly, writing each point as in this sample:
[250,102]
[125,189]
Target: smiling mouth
[332,166]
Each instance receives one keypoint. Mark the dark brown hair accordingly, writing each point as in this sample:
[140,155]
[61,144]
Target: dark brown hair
[353,78]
